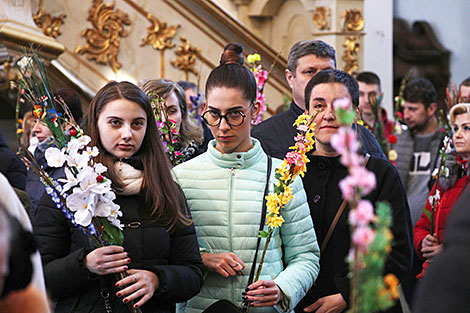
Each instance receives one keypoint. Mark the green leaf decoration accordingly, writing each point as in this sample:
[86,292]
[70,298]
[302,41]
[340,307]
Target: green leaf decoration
[263,234]
[111,234]
[427,213]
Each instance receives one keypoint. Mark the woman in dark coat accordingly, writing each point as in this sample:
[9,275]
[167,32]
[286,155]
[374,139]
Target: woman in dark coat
[160,250]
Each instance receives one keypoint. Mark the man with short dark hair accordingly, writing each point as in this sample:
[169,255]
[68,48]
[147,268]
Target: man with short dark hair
[306,58]
[321,182]
[465,90]
[369,88]
[417,148]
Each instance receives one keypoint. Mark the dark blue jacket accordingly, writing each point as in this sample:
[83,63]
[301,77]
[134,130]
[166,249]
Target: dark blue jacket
[11,165]
[34,187]
[277,133]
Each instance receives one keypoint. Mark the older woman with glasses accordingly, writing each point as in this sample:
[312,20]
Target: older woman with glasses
[225,188]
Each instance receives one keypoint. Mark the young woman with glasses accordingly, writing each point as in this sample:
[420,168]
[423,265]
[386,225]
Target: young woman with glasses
[224,188]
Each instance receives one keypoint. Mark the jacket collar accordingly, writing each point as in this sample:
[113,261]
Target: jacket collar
[295,108]
[236,160]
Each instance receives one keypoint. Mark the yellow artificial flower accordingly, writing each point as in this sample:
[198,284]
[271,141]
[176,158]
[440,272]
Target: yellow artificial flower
[301,119]
[392,155]
[275,221]
[392,283]
[284,171]
[272,200]
[360,122]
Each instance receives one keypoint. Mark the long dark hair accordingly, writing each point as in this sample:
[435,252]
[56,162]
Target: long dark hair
[231,73]
[161,194]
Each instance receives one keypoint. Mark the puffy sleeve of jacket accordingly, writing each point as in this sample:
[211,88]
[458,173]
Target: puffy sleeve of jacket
[63,267]
[422,227]
[301,251]
[182,278]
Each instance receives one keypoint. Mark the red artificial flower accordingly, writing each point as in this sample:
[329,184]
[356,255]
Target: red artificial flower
[400,115]
[392,139]
[99,178]
[73,132]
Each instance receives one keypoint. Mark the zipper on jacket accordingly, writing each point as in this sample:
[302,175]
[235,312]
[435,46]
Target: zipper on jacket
[230,200]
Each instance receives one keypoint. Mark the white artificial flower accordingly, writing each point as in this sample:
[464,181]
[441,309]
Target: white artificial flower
[100,168]
[55,157]
[70,180]
[86,177]
[79,143]
[397,128]
[93,152]
[83,204]
[107,197]
[114,216]
[77,159]
[103,209]
[435,172]
[84,140]
[24,62]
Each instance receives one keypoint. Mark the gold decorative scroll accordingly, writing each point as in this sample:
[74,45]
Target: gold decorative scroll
[104,39]
[49,24]
[7,75]
[159,36]
[350,55]
[186,59]
[353,20]
[321,18]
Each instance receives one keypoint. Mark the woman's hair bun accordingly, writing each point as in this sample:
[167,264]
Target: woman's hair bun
[232,54]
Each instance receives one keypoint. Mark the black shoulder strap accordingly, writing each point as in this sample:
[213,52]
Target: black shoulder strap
[263,219]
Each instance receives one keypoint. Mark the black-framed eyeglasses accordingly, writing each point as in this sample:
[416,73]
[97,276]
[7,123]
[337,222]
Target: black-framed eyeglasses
[233,118]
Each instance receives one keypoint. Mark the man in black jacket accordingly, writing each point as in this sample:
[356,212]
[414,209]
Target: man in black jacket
[306,58]
[324,172]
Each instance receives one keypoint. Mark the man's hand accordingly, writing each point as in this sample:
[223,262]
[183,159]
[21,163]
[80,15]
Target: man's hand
[226,263]
[430,247]
[329,304]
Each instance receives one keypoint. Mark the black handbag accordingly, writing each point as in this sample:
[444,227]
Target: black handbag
[227,306]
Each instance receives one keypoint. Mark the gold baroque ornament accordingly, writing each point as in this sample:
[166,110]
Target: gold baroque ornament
[49,24]
[350,55]
[104,39]
[186,59]
[353,20]
[321,18]
[159,36]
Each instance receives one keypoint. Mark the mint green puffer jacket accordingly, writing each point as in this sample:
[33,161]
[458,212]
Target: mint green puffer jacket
[225,193]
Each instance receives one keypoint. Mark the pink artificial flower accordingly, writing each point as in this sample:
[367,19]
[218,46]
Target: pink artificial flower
[363,237]
[303,128]
[347,187]
[345,141]
[363,214]
[260,97]
[351,159]
[343,103]
[363,179]
[294,158]
[261,76]
[301,146]
[177,153]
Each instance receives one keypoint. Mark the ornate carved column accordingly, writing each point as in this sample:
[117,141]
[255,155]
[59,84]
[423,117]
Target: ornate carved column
[17,30]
